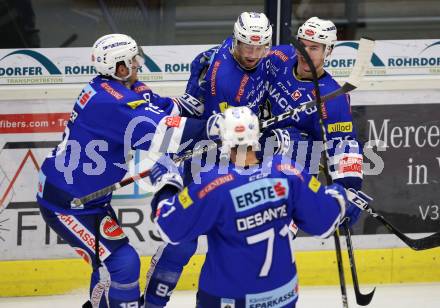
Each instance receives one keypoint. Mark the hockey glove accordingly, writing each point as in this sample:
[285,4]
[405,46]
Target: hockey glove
[164,172]
[199,67]
[277,139]
[189,106]
[214,125]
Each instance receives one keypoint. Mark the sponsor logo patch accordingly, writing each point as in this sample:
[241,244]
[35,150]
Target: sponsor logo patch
[289,169]
[110,229]
[213,76]
[184,198]
[108,88]
[309,32]
[279,54]
[86,94]
[255,38]
[72,224]
[83,254]
[314,184]
[350,164]
[172,121]
[259,192]
[343,127]
[239,129]
[243,83]
[214,184]
[135,104]
[296,95]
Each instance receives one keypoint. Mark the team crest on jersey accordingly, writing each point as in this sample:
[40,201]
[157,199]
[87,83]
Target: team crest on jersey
[172,121]
[86,94]
[110,229]
[296,95]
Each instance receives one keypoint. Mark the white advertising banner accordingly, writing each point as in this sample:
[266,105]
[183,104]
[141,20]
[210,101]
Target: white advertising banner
[172,63]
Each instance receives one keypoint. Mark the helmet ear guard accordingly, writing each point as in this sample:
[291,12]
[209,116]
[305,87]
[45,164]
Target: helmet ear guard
[111,49]
[319,31]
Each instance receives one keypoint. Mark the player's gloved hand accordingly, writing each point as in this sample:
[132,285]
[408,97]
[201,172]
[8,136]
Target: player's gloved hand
[189,106]
[165,172]
[214,125]
[199,67]
[353,201]
[278,139]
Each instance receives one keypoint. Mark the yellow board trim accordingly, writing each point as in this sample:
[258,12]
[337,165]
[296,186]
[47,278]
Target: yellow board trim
[374,266]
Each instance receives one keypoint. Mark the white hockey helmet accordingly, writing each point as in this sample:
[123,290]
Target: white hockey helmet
[319,31]
[110,49]
[239,127]
[253,29]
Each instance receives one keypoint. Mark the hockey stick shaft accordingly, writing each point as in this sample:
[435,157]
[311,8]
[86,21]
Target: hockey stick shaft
[77,202]
[364,57]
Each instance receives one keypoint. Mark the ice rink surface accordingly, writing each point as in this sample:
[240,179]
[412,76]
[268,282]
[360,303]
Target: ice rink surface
[393,296]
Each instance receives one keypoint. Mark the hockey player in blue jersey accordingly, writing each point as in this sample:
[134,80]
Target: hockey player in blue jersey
[245,212]
[289,85]
[114,113]
[234,78]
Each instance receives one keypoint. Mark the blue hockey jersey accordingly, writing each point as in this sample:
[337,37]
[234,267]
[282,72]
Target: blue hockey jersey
[108,120]
[286,91]
[245,214]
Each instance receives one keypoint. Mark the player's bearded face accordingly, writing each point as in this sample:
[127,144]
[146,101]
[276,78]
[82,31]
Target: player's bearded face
[316,53]
[249,55]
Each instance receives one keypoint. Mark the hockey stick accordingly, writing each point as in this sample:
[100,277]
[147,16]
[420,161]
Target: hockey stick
[299,46]
[364,55]
[78,202]
[361,299]
[365,51]
[362,201]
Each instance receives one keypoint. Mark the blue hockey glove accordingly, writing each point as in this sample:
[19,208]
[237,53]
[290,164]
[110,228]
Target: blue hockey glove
[189,106]
[278,139]
[199,67]
[213,126]
[165,172]
[349,210]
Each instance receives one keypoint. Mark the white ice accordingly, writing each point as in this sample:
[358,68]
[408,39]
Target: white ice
[394,296]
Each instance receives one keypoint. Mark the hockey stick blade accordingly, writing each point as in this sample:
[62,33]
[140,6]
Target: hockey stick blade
[362,200]
[361,299]
[423,243]
[365,52]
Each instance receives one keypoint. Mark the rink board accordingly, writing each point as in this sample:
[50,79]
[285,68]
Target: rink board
[403,79]
[374,266]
